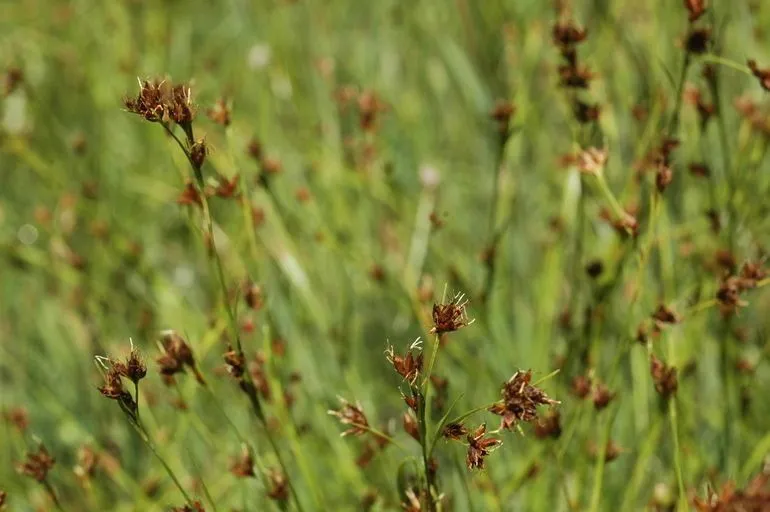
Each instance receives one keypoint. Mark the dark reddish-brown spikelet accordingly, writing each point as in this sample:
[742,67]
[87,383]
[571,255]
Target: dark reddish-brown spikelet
[451,316]
[455,431]
[479,447]
[410,425]
[234,361]
[602,396]
[114,390]
[195,506]
[220,112]
[567,34]
[17,417]
[253,296]
[37,464]
[352,415]
[12,79]
[698,40]
[581,386]
[177,355]
[502,114]
[548,425]
[586,113]
[696,8]
[754,498]
[665,315]
[520,400]
[134,368]
[408,366]
[611,452]
[278,485]
[664,377]
[369,108]
[763,75]
[242,466]
[150,103]
[198,152]
[190,195]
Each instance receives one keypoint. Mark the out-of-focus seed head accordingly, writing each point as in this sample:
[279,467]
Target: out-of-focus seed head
[664,377]
[696,8]
[352,415]
[242,466]
[763,75]
[278,485]
[220,113]
[37,464]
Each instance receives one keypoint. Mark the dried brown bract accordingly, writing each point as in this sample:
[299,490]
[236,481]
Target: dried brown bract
[611,451]
[408,366]
[763,75]
[520,400]
[352,415]
[479,447]
[664,377]
[37,464]
[451,316]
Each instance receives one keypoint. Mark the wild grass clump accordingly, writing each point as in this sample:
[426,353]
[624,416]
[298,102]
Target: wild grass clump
[493,257]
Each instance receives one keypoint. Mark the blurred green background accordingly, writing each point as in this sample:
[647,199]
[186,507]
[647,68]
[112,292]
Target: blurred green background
[95,251]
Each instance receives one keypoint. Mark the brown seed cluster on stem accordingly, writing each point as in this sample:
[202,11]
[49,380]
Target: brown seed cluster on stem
[520,401]
[161,101]
[409,366]
[479,447]
[37,464]
[353,415]
[176,357]
[664,377]
[451,316]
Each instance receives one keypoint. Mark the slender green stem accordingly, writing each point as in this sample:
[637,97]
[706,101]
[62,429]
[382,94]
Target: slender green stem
[148,442]
[716,59]
[52,493]
[677,455]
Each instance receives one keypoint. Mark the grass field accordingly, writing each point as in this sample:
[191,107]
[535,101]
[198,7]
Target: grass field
[321,175]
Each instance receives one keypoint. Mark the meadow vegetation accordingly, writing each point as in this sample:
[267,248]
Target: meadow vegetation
[384,255]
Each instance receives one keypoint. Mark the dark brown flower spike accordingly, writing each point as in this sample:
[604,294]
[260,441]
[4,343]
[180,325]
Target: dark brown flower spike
[408,366]
[451,316]
[479,447]
[567,34]
[37,464]
[602,396]
[352,415]
[520,401]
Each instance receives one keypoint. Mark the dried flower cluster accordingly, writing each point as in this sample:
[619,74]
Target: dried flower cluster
[409,366]
[353,415]
[37,464]
[664,377]
[479,447]
[731,287]
[520,401]
[451,316]
[176,357]
[754,498]
[161,101]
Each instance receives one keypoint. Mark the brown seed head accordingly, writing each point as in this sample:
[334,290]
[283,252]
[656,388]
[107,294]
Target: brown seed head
[408,366]
[17,417]
[352,415]
[664,377]
[252,295]
[198,152]
[235,362]
[37,464]
[567,34]
[581,386]
[698,40]
[479,447]
[502,114]
[451,316]
[454,431]
[602,396]
[520,400]
[87,461]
